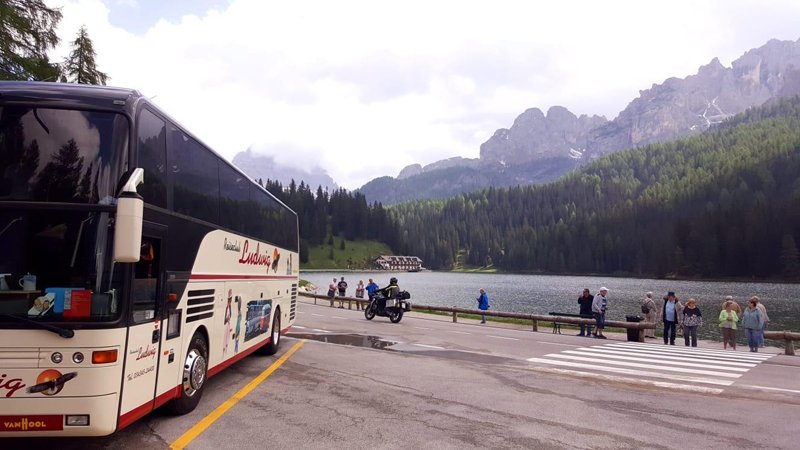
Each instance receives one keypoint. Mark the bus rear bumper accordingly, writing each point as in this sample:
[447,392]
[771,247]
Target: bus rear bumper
[25,417]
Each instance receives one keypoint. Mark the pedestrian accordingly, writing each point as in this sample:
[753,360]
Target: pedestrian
[692,319]
[752,321]
[727,321]
[483,304]
[734,306]
[372,287]
[585,302]
[765,320]
[359,293]
[360,289]
[670,313]
[599,307]
[332,290]
[649,310]
[342,286]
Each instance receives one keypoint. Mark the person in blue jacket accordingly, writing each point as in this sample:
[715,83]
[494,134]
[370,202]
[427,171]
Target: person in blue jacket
[371,288]
[483,304]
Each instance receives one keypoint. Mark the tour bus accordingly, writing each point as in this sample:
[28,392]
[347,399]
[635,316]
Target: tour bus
[134,261]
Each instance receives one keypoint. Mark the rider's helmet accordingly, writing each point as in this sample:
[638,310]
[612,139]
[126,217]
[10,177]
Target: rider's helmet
[393,280]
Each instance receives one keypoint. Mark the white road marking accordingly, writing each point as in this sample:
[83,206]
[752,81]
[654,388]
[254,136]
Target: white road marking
[458,332]
[766,388]
[671,356]
[320,331]
[338,317]
[317,315]
[422,328]
[663,384]
[641,373]
[429,346]
[298,326]
[712,373]
[727,354]
[502,337]
[641,358]
[559,343]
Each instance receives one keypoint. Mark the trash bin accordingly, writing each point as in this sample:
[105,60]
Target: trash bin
[633,334]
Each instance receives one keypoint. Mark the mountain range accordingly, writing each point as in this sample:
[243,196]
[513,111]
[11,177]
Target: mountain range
[543,146]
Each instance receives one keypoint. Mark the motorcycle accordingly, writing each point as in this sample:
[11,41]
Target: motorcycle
[395,307]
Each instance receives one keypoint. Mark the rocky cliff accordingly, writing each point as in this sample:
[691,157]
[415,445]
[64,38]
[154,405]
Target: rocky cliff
[549,145]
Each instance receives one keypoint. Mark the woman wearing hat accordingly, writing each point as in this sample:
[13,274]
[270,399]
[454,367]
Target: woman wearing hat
[692,319]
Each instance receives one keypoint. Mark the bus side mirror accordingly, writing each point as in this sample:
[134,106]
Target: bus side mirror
[128,229]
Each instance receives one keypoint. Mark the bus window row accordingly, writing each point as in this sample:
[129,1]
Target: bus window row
[184,176]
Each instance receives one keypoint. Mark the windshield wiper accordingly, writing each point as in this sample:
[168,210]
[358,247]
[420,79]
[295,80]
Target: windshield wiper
[63,332]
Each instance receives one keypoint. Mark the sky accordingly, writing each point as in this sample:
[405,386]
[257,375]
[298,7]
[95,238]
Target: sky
[363,88]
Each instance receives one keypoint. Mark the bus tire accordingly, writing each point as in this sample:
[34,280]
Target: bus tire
[275,338]
[195,374]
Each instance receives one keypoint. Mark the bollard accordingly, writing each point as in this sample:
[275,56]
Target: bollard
[455,317]
[789,347]
[349,304]
[535,325]
[641,335]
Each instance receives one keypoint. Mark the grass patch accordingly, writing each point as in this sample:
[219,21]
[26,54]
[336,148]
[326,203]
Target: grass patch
[356,255]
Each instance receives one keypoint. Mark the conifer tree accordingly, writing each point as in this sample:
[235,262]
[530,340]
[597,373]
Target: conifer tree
[80,67]
[27,32]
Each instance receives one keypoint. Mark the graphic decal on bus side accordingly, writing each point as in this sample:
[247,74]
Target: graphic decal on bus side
[51,382]
[238,324]
[258,312]
[227,322]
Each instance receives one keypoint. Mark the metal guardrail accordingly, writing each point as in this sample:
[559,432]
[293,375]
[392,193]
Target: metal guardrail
[534,318]
[787,336]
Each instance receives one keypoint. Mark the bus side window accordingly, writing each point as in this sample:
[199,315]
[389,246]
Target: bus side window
[144,291]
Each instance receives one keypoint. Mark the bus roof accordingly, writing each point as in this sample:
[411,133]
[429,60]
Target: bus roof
[71,93]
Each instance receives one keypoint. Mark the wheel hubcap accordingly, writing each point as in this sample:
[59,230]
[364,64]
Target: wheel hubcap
[194,372]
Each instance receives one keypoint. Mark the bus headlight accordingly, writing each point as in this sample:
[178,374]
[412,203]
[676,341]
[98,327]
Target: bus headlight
[77,421]
[56,357]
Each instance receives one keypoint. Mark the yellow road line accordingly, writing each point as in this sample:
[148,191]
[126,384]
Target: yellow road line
[212,417]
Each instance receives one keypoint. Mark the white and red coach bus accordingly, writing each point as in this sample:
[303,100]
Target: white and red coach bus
[134,262]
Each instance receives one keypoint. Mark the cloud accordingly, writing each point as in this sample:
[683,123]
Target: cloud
[364,88]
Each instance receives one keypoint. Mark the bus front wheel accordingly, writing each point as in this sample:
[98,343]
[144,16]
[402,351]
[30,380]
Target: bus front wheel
[195,372]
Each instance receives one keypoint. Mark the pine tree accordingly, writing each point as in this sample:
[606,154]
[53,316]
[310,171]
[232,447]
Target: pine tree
[27,32]
[80,67]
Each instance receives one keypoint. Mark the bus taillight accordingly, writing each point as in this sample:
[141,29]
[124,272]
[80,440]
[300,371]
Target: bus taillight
[104,356]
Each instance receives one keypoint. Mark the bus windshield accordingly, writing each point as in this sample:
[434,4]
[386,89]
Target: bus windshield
[58,174]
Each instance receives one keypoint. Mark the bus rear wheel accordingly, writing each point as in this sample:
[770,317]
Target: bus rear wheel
[195,373]
[275,338]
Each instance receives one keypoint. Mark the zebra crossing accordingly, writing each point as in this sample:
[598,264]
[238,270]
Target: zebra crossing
[645,361]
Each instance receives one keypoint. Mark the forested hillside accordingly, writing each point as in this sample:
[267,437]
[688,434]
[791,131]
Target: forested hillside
[342,214]
[723,203]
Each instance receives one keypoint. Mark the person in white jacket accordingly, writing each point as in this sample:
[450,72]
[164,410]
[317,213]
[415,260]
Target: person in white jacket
[599,306]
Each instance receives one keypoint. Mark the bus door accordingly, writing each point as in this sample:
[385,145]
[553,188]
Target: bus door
[145,328]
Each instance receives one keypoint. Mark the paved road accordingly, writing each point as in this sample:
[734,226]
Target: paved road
[428,383]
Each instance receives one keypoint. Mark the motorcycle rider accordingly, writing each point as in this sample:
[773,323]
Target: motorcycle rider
[388,292]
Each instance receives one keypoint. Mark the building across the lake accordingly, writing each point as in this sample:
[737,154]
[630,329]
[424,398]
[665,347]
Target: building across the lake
[394,262]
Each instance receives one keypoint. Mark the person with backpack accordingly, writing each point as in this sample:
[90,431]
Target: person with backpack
[483,304]
[649,311]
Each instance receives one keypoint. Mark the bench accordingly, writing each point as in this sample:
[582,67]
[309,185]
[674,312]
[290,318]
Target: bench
[557,325]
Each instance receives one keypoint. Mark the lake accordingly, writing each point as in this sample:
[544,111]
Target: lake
[541,294]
